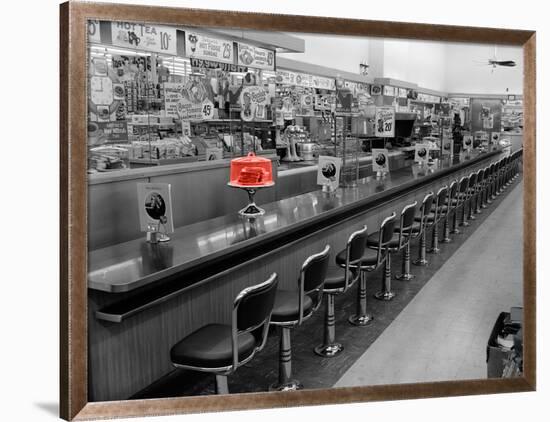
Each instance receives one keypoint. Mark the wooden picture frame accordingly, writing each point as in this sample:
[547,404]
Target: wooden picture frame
[73,227]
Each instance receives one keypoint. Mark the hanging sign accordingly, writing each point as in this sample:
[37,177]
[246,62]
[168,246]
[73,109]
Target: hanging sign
[147,37]
[328,171]
[389,91]
[385,122]
[211,64]
[203,110]
[93,31]
[288,77]
[380,160]
[172,96]
[202,46]
[253,103]
[256,57]
[155,206]
[421,153]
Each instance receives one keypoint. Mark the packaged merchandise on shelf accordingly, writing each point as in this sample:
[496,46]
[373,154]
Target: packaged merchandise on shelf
[108,158]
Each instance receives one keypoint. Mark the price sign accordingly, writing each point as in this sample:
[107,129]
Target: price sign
[259,58]
[384,122]
[203,46]
[207,109]
[159,39]
[203,110]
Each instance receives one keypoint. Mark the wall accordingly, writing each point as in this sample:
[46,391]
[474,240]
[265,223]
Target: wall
[442,66]
[466,69]
[338,52]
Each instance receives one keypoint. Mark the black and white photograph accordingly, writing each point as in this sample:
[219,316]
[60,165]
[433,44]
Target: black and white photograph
[289,262]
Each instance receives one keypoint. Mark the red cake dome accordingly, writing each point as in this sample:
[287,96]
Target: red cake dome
[251,171]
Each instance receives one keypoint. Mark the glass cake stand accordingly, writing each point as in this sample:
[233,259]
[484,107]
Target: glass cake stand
[251,210]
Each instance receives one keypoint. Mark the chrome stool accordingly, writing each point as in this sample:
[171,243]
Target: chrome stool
[221,348]
[292,307]
[462,198]
[425,219]
[440,210]
[472,183]
[452,204]
[406,233]
[338,280]
[478,189]
[383,241]
[485,187]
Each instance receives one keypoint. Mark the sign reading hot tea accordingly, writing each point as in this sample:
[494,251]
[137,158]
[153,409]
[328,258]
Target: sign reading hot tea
[257,57]
[206,47]
[384,122]
[156,38]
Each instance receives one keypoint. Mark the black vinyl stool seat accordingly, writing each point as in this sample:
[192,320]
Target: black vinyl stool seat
[293,307]
[340,277]
[222,348]
[452,206]
[385,241]
[425,219]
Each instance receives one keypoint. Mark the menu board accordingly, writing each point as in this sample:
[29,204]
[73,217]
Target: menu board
[380,160]
[203,46]
[328,171]
[384,122]
[256,57]
[155,38]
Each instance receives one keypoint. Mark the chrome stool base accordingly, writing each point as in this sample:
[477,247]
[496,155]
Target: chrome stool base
[360,320]
[434,250]
[329,350]
[404,277]
[292,385]
[455,231]
[472,217]
[464,224]
[420,262]
[447,240]
[387,296]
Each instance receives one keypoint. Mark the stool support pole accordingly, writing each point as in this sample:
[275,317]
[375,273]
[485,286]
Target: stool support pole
[406,264]
[286,383]
[422,261]
[464,222]
[455,222]
[435,239]
[447,230]
[361,317]
[386,292]
[329,348]
[221,384]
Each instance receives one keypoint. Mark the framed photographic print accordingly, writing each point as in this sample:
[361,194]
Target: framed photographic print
[248,279]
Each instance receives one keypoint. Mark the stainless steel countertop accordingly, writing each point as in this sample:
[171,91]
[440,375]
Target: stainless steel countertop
[130,265]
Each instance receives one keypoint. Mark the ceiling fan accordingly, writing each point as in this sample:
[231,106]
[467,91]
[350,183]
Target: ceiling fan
[494,62]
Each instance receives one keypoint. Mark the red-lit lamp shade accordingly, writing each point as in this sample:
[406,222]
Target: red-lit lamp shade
[251,171]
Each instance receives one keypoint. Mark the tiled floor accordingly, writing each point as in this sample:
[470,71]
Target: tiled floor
[466,295]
